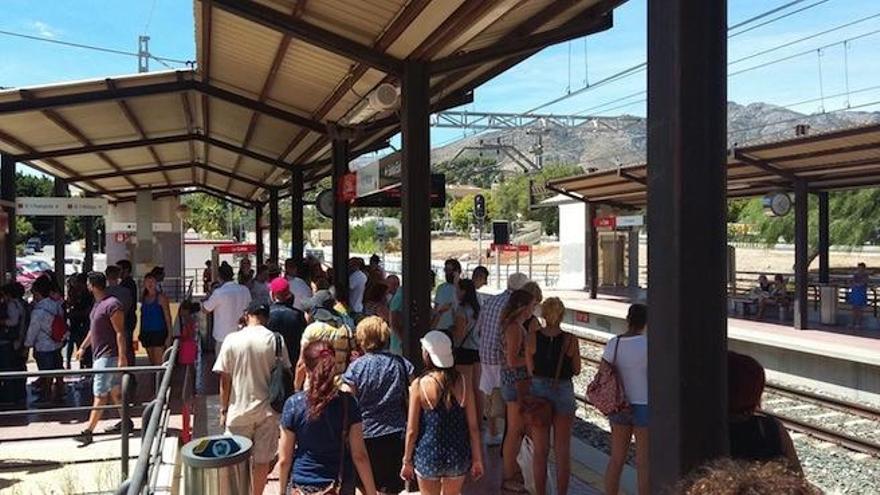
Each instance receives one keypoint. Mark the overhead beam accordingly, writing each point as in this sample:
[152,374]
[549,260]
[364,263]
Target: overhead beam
[765,166]
[133,172]
[259,106]
[49,102]
[311,34]
[95,148]
[633,178]
[582,25]
[195,189]
[453,100]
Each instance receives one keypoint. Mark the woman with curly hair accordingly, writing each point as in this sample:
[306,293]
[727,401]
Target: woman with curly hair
[322,434]
[729,477]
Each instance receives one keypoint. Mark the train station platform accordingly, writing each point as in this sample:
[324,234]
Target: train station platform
[837,359]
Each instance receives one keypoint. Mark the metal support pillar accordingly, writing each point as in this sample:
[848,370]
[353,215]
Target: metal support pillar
[89,251]
[297,235]
[258,227]
[632,244]
[59,234]
[416,214]
[687,236]
[824,238]
[591,249]
[7,194]
[340,218]
[801,255]
[274,226]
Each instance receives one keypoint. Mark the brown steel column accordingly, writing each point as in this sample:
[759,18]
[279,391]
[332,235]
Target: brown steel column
[592,252]
[89,251]
[297,236]
[59,234]
[687,141]
[261,249]
[274,226]
[632,244]
[416,214]
[7,193]
[801,255]
[824,238]
[340,217]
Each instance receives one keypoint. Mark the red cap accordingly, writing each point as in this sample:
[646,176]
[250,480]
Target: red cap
[279,285]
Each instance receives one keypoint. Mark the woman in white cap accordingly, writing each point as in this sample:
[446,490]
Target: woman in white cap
[442,434]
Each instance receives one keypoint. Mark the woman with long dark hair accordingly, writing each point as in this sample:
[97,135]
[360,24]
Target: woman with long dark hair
[155,333]
[466,338]
[628,353]
[442,434]
[322,434]
[514,381]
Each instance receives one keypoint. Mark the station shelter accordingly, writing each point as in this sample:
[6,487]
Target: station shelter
[282,96]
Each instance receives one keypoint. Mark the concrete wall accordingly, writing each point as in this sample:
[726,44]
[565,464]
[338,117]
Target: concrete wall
[166,245]
[571,245]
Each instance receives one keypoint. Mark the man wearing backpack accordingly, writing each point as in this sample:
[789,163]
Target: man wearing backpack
[107,339]
[245,363]
[46,335]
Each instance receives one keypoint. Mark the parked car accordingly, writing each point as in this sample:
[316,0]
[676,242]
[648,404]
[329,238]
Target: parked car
[35,243]
[72,266]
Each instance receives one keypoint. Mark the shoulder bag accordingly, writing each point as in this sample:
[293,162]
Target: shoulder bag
[606,391]
[538,411]
[281,380]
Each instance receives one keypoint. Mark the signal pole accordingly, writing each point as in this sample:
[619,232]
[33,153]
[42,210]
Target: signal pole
[143,53]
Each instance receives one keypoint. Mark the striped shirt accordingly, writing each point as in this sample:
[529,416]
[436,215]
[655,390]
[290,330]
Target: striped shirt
[489,329]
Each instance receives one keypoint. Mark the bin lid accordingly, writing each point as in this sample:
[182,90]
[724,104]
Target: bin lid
[216,451]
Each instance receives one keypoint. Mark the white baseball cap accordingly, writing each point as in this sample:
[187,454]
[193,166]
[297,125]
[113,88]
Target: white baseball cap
[439,348]
[516,280]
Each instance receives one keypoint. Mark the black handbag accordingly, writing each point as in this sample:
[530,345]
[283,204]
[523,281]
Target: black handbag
[281,380]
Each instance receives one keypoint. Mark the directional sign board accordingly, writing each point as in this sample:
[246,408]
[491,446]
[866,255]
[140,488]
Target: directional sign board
[61,207]
[630,221]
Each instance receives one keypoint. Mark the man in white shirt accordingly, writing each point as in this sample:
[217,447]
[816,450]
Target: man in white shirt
[228,303]
[357,284]
[245,363]
[300,289]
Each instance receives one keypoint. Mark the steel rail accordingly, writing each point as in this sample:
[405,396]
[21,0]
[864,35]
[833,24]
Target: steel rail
[819,432]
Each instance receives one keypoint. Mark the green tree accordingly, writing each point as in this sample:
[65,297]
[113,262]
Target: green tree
[510,201]
[215,218]
[477,171]
[23,228]
[461,213]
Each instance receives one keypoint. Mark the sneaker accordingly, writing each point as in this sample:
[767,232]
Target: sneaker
[117,428]
[84,438]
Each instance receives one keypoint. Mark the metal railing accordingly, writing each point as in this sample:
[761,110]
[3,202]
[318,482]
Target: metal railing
[145,473]
[125,407]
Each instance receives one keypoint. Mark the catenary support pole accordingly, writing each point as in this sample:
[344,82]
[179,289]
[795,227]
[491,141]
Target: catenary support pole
[416,214]
[801,255]
[297,235]
[258,228]
[7,194]
[632,244]
[687,141]
[274,226]
[824,238]
[59,233]
[340,218]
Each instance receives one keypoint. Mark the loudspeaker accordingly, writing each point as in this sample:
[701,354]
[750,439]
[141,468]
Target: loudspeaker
[501,233]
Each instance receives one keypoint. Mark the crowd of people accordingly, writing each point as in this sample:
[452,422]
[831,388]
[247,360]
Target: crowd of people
[359,415]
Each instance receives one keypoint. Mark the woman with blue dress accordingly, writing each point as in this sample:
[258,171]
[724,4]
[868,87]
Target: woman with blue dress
[155,333]
[442,434]
[858,294]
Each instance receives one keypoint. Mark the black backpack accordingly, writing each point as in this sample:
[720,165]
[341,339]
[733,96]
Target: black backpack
[281,380]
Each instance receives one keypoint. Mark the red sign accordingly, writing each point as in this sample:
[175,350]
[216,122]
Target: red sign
[605,222]
[510,248]
[347,188]
[121,237]
[236,248]
[581,317]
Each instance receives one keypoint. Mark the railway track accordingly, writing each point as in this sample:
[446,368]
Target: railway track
[853,426]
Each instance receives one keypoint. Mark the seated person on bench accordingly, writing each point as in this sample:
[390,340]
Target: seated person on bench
[777,294]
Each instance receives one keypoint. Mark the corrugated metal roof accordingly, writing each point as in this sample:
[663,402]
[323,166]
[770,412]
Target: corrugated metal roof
[843,159]
[268,84]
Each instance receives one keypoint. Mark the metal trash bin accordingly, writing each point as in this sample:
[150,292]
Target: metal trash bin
[217,465]
[828,304]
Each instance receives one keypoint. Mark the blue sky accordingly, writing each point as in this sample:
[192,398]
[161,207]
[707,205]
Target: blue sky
[117,24]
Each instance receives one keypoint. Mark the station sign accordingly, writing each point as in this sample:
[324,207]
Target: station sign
[379,175]
[605,222]
[391,197]
[61,207]
[630,221]
[236,248]
[348,189]
[581,317]
[510,248]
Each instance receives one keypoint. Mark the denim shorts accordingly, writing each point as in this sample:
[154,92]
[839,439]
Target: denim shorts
[560,395]
[509,379]
[636,416]
[103,383]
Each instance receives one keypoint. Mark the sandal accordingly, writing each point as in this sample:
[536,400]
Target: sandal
[513,486]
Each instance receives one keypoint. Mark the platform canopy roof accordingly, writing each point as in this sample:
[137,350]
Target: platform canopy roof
[841,159]
[276,81]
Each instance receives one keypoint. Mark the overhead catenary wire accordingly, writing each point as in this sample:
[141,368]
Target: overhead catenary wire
[89,47]
[778,18]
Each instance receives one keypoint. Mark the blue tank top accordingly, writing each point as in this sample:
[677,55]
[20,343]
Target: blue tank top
[152,317]
[443,447]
